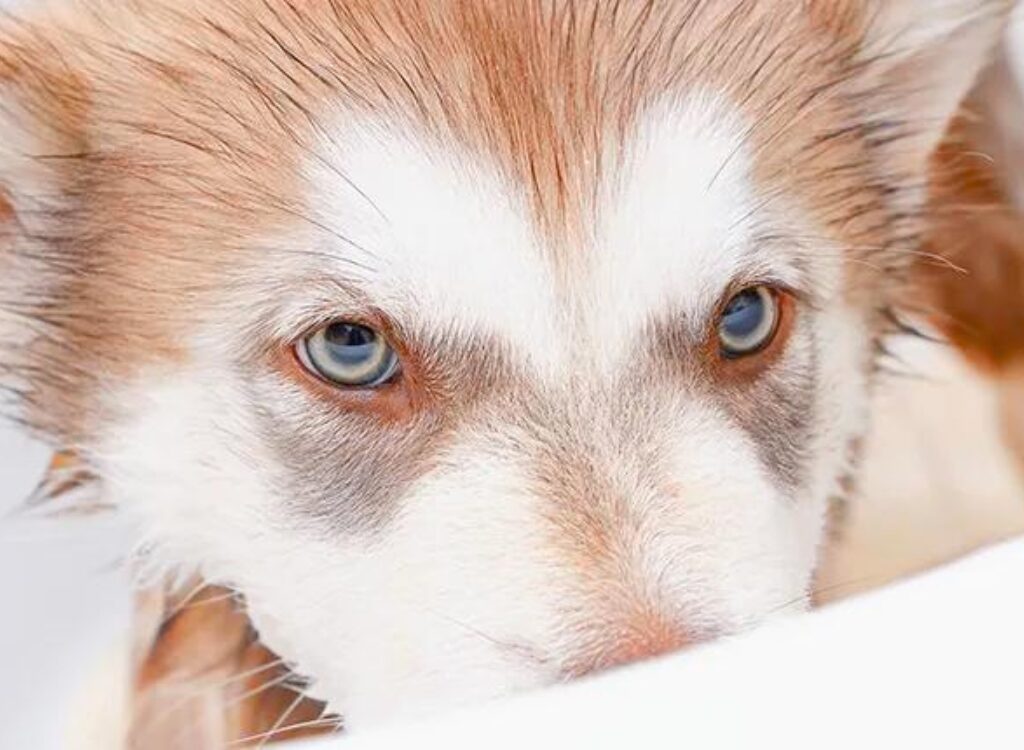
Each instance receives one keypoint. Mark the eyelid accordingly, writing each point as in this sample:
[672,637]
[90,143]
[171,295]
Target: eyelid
[738,285]
[292,332]
[313,302]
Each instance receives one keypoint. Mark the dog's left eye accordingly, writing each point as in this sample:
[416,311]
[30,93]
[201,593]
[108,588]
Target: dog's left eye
[749,322]
[349,355]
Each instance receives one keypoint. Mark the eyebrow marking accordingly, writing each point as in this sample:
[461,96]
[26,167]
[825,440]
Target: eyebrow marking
[460,246]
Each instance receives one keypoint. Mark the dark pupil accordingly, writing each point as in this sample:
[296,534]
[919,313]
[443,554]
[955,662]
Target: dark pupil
[744,314]
[350,344]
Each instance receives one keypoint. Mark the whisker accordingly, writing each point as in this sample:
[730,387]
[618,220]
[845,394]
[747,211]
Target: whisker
[182,696]
[522,649]
[195,591]
[250,673]
[325,722]
[279,681]
[282,719]
[188,603]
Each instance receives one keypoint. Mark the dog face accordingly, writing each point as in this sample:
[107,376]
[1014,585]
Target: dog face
[479,345]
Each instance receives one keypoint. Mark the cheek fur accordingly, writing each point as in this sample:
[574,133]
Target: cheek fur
[465,591]
[478,580]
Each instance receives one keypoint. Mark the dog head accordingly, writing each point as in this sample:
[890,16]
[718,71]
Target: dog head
[478,345]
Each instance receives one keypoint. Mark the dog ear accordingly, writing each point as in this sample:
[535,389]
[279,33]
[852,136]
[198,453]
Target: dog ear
[44,101]
[972,274]
[916,60]
[969,282]
[43,111]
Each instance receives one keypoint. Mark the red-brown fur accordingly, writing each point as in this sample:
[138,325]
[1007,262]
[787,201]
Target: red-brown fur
[203,680]
[975,291]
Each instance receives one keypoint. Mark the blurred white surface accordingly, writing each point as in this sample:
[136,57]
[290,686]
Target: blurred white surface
[933,663]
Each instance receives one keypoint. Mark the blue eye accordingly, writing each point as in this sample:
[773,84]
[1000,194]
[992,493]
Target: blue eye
[349,355]
[749,322]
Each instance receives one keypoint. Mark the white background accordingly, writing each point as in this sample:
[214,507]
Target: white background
[63,601]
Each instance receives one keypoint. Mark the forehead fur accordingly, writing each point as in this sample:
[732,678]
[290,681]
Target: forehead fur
[440,238]
[544,89]
[169,135]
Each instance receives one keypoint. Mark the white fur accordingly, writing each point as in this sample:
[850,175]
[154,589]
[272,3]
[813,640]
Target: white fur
[464,595]
[679,206]
[446,239]
[409,622]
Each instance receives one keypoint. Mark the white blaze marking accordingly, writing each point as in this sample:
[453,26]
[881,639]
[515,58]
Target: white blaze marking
[447,241]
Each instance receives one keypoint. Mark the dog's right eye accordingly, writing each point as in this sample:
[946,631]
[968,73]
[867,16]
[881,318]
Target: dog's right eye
[349,355]
[749,322]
